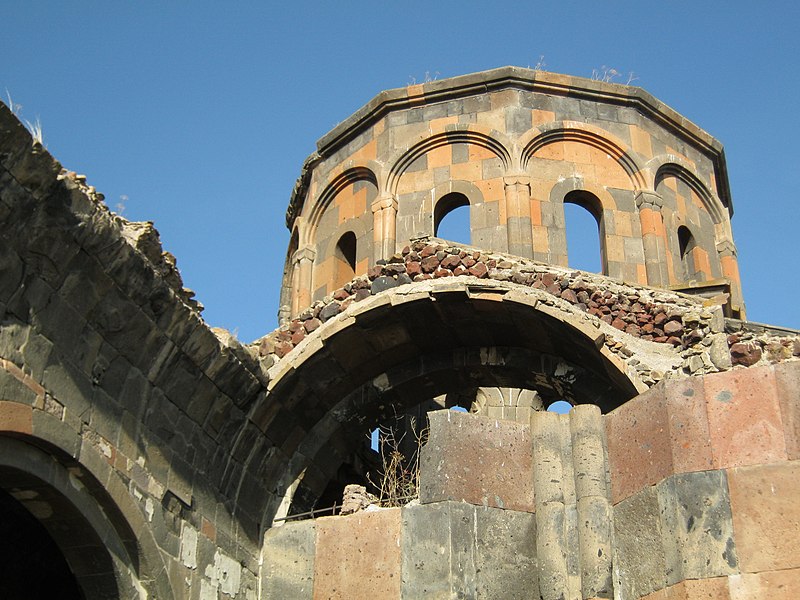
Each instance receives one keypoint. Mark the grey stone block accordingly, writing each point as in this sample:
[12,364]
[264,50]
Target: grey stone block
[640,564]
[697,526]
[289,561]
[505,554]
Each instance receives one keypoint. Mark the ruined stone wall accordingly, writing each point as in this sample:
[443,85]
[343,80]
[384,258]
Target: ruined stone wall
[515,145]
[115,397]
[686,491]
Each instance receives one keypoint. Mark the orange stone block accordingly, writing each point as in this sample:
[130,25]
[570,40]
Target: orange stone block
[744,418]
[368,151]
[440,157]
[766,516]
[694,589]
[552,151]
[640,141]
[775,585]
[469,171]
[480,153]
[358,557]
[16,417]
[540,117]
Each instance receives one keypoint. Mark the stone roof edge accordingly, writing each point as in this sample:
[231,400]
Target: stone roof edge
[520,78]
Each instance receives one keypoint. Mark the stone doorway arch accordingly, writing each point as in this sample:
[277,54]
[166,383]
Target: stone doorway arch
[100,549]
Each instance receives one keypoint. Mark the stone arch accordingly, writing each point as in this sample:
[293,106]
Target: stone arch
[596,137]
[348,177]
[417,342]
[666,166]
[465,189]
[359,230]
[597,200]
[101,534]
[463,134]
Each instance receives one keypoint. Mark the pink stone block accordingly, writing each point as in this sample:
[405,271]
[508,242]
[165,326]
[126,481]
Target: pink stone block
[358,556]
[744,418]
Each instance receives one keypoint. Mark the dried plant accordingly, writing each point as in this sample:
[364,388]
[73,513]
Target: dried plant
[398,476]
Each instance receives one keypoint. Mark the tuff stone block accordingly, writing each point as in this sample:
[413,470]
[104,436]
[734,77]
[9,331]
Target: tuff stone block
[640,564]
[766,516]
[775,585]
[358,556]
[697,526]
[744,418]
[289,552]
[479,460]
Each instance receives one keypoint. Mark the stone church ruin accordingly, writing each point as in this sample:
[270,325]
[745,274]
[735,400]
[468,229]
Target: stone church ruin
[144,454]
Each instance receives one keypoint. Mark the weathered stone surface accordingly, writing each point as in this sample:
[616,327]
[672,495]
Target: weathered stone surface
[697,526]
[289,552]
[775,585]
[744,418]
[640,565]
[382,284]
[766,516]
[478,460]
[456,550]
[787,384]
[358,556]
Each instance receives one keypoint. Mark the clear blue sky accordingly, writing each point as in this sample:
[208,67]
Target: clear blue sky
[200,114]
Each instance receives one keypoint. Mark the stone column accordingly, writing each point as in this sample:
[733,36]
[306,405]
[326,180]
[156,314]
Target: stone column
[384,227]
[518,215]
[593,499]
[730,269]
[549,499]
[654,238]
[301,278]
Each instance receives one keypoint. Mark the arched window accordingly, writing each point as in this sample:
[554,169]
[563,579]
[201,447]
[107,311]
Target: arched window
[584,226]
[451,218]
[344,259]
[687,245]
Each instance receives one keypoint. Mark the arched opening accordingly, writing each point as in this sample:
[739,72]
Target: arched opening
[687,245]
[584,231]
[345,259]
[451,218]
[105,557]
[382,367]
[31,564]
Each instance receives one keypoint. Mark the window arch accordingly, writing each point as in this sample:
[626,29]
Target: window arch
[451,218]
[687,245]
[344,259]
[585,233]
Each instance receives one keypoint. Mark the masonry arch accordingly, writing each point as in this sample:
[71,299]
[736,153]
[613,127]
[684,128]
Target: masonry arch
[672,166]
[464,134]
[344,259]
[572,131]
[452,195]
[347,178]
[109,555]
[592,205]
[400,348]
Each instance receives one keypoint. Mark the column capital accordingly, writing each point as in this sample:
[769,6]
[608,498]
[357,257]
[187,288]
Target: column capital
[648,199]
[305,253]
[520,179]
[726,248]
[382,202]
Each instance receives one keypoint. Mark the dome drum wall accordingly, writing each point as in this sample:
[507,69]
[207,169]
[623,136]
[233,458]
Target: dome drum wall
[515,144]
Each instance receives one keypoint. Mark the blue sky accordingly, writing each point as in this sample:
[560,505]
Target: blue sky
[198,115]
